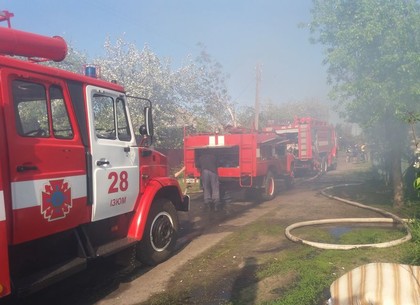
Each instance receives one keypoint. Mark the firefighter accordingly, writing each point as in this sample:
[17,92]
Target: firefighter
[207,164]
[349,154]
[363,150]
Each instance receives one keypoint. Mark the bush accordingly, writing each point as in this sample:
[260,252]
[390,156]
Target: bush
[414,253]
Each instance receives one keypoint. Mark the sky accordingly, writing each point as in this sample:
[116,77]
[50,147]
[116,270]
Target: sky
[239,34]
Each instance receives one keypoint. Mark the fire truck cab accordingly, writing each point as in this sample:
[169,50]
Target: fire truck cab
[74,184]
[247,159]
[313,143]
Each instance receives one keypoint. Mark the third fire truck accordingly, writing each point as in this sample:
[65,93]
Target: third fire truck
[313,143]
[247,159]
[74,183]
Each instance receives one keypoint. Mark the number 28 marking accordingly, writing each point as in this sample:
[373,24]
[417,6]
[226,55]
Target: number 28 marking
[118,182]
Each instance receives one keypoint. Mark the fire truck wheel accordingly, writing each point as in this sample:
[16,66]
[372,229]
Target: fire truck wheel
[269,191]
[160,234]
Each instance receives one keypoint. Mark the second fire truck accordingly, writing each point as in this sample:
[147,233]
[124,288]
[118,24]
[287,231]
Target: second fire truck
[247,159]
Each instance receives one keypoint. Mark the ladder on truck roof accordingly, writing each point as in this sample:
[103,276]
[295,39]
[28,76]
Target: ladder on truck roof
[304,141]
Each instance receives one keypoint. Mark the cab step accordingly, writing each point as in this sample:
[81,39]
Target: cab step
[115,246]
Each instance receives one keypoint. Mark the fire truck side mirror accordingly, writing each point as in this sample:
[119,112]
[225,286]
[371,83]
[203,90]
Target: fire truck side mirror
[146,130]
[148,121]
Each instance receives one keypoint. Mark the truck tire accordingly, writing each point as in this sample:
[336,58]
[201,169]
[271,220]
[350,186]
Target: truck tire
[270,189]
[160,234]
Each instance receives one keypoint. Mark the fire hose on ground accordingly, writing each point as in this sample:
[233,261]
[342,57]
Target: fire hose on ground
[390,218]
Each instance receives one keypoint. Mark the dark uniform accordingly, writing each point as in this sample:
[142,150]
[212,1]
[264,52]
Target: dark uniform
[208,166]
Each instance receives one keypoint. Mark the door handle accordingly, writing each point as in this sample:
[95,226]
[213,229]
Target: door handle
[102,162]
[23,168]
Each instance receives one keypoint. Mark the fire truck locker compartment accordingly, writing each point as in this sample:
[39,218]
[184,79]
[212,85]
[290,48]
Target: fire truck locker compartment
[225,156]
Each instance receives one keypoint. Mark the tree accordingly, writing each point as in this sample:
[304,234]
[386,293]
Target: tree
[371,50]
[207,100]
[246,117]
[194,94]
[74,61]
[276,113]
[142,74]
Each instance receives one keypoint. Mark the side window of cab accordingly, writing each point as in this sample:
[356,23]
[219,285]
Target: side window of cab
[111,119]
[40,111]
[60,117]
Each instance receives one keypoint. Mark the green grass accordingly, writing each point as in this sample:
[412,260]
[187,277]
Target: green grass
[350,234]
[312,276]
[316,269]
[371,236]
[413,255]
[310,271]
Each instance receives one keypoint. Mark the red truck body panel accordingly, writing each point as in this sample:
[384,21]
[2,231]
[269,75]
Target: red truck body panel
[244,157]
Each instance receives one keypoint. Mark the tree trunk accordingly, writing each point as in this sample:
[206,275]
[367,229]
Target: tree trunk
[232,116]
[397,179]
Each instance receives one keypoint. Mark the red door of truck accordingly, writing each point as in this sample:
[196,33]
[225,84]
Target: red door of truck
[47,164]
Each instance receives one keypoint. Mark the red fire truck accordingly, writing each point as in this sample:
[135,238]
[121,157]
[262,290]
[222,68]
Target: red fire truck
[74,185]
[312,141]
[246,159]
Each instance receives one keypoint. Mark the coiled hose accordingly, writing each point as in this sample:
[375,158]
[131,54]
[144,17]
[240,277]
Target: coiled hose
[391,218]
